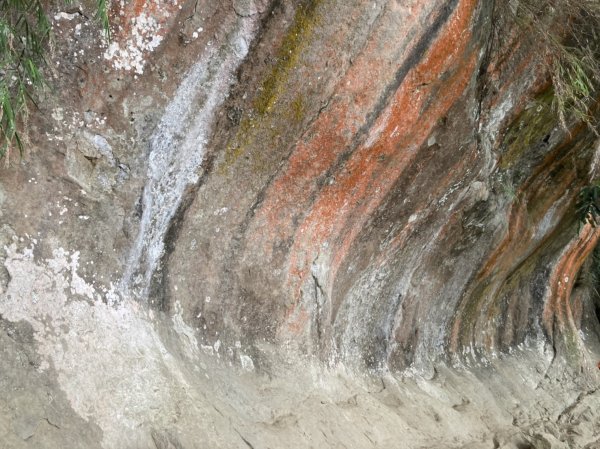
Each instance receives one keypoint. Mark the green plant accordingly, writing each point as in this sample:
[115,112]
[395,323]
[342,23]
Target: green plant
[508,189]
[588,205]
[24,34]
[102,16]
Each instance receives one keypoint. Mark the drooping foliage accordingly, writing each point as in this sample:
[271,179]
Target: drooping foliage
[24,31]
[24,34]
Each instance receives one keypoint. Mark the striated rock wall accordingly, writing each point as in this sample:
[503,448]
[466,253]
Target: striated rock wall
[393,210]
[298,224]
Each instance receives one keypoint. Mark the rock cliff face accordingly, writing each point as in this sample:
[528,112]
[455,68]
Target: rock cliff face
[269,224]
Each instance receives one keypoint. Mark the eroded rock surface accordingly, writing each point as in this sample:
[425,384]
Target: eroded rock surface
[264,224]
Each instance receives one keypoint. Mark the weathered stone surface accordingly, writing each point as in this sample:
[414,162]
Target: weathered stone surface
[297,224]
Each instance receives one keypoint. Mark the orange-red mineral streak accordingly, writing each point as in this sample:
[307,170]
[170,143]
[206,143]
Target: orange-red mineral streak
[342,208]
[558,314]
[292,192]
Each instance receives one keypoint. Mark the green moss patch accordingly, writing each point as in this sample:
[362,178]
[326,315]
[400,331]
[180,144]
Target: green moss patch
[274,105]
[529,129]
[305,20]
